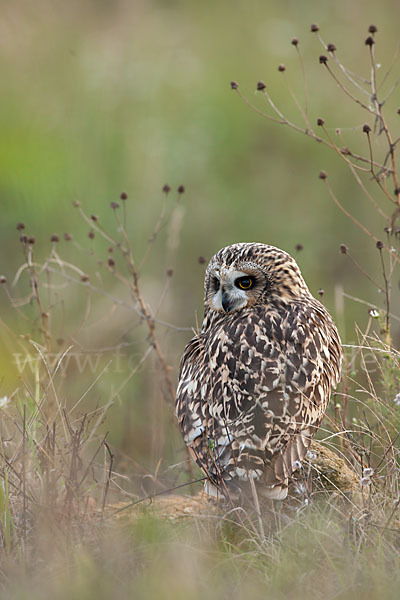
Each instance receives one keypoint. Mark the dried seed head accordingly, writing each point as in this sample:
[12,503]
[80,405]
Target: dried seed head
[114,205]
[94,218]
[261,86]
[295,41]
[201,260]
[24,239]
[91,234]
[181,189]
[299,247]
[369,41]
[343,248]
[314,28]
[234,85]
[323,175]
[170,272]
[3,279]
[123,196]
[45,315]
[321,292]
[111,262]
[320,122]
[166,189]
[331,48]
[31,240]
[366,128]
[20,226]
[84,278]
[397,191]
[323,59]
[387,229]
[281,68]
[110,249]
[67,237]
[398,111]
[54,238]
[379,245]
[76,203]
[372,29]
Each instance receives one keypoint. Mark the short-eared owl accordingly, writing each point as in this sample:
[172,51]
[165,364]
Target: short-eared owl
[255,382]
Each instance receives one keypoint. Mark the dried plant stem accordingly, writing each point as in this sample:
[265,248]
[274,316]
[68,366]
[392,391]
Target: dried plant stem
[305,131]
[257,507]
[355,221]
[346,91]
[305,87]
[387,297]
[108,479]
[379,113]
[342,153]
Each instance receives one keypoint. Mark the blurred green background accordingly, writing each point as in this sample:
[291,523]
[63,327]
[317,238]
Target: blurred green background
[102,97]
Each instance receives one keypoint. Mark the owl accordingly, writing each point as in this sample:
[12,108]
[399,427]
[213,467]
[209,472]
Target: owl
[255,382]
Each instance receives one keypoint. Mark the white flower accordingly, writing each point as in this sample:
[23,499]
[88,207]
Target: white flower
[4,401]
[368,472]
[297,464]
[396,399]
[373,313]
[311,455]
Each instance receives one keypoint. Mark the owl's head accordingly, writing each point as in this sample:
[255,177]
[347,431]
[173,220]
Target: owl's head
[246,274]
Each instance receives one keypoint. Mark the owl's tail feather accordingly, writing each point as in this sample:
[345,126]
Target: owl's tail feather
[274,492]
[283,465]
[272,482]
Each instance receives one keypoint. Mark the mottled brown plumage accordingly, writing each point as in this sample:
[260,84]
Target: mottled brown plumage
[255,382]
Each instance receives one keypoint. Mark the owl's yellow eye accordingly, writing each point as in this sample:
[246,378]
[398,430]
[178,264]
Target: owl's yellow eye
[244,283]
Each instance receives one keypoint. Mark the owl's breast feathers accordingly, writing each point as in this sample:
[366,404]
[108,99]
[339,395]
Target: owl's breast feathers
[253,388]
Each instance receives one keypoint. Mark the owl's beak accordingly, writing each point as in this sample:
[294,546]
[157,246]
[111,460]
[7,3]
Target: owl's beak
[226,301]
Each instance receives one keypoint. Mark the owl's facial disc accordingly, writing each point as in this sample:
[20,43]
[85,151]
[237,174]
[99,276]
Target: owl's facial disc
[229,289]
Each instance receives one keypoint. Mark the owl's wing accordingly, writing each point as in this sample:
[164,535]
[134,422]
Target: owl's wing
[251,396]
[194,378]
